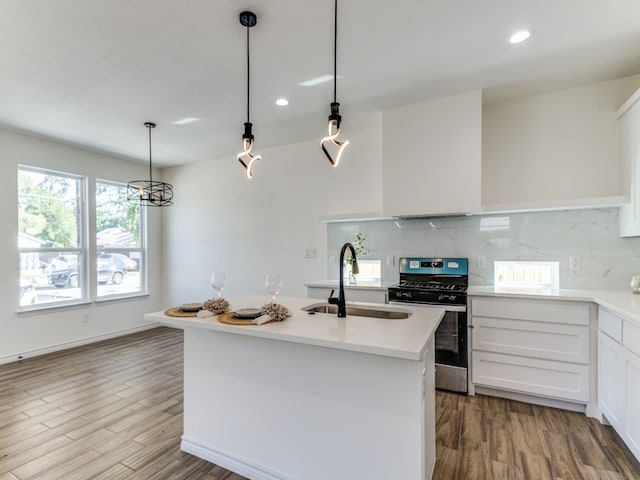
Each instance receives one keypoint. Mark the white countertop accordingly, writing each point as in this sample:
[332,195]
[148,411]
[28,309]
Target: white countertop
[361,285]
[406,338]
[621,302]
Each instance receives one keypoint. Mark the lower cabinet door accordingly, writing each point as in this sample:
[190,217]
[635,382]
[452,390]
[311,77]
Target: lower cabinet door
[547,378]
[611,380]
[632,420]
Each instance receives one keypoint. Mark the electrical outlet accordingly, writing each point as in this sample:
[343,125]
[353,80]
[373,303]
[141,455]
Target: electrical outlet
[481,262]
[575,263]
[309,253]
[390,261]
[332,260]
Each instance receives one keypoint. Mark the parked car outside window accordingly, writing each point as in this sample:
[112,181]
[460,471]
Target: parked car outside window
[111,267]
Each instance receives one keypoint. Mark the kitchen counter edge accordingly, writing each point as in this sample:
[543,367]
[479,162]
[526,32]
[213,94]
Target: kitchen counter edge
[623,303]
[404,339]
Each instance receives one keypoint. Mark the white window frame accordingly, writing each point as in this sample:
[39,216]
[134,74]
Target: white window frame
[142,249]
[80,250]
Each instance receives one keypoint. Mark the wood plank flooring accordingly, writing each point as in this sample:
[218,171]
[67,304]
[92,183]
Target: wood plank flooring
[485,437]
[113,411]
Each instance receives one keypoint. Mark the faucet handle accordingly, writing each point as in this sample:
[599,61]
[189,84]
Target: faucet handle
[332,300]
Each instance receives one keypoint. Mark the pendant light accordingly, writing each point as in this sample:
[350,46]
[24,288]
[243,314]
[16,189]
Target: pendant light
[334,117]
[246,158]
[148,192]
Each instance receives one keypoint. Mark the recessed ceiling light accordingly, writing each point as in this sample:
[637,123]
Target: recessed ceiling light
[316,81]
[184,121]
[520,36]
[282,102]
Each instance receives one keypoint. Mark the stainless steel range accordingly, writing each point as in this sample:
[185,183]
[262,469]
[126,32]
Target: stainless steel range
[440,282]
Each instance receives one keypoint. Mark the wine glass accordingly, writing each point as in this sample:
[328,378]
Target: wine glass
[273,283]
[218,281]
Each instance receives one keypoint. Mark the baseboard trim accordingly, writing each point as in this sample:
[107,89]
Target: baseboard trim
[534,399]
[241,466]
[16,357]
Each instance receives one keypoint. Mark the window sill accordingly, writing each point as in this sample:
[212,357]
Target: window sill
[115,298]
[47,307]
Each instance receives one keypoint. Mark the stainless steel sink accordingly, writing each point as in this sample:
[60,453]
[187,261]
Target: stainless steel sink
[390,313]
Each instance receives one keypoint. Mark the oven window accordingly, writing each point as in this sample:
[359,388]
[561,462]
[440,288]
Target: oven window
[447,333]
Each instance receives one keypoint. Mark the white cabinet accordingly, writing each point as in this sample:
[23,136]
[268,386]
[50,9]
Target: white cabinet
[611,367]
[632,420]
[431,156]
[554,150]
[619,376]
[537,347]
[352,294]
[629,125]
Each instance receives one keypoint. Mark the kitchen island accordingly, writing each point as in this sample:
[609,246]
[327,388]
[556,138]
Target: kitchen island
[312,397]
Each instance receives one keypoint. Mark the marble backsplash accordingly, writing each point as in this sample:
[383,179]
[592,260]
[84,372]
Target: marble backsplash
[606,260]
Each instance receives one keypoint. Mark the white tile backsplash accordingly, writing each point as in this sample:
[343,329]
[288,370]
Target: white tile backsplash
[607,261]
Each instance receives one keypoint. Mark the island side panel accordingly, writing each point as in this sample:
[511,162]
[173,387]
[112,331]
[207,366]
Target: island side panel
[271,409]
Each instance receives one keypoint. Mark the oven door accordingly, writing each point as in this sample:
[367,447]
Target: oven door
[451,353]
[451,339]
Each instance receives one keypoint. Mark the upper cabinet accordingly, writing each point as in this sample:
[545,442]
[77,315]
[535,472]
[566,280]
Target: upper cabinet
[629,125]
[554,150]
[431,157]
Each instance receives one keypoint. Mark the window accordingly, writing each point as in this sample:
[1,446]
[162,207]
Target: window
[119,242]
[51,240]
[57,267]
[537,275]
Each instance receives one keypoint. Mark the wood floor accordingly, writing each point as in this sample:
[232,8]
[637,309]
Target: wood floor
[113,410]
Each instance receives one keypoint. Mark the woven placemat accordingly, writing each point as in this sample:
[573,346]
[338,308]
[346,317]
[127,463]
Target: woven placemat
[176,312]
[229,319]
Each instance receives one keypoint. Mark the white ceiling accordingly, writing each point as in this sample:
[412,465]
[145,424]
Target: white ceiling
[91,72]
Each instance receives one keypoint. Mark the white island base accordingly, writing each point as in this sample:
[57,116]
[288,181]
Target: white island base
[273,409]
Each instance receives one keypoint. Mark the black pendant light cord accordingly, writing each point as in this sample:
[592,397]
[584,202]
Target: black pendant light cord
[335,49]
[248,74]
[149,127]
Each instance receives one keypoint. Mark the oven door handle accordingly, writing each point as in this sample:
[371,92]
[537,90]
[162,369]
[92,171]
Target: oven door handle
[447,308]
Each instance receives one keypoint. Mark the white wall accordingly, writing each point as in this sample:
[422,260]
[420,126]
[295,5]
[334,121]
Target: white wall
[561,145]
[52,329]
[246,228]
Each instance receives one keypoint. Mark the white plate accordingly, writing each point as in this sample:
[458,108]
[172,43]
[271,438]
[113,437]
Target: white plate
[248,313]
[190,307]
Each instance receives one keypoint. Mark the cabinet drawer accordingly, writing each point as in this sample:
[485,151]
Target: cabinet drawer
[540,310]
[631,337]
[610,324]
[547,378]
[548,341]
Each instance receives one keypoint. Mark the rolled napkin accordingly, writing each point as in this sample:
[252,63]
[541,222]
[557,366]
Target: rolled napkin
[205,313]
[635,283]
[216,306]
[272,311]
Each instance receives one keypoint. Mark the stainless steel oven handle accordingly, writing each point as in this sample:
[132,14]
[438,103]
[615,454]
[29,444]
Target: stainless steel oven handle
[447,308]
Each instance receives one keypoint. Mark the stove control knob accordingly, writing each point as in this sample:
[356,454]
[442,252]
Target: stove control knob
[446,297]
